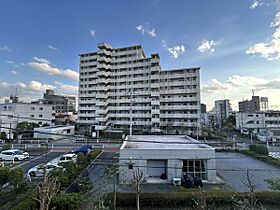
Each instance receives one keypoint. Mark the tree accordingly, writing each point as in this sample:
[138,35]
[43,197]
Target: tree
[274,183]
[4,176]
[137,180]
[3,135]
[200,199]
[17,177]
[47,190]
[26,126]
[252,202]
[230,121]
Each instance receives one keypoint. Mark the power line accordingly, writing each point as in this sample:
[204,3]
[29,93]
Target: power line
[122,140]
[27,118]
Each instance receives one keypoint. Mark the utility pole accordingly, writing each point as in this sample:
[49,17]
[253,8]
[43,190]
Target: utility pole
[130,113]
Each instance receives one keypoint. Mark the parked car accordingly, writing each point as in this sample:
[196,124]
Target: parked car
[83,149]
[38,171]
[68,158]
[13,154]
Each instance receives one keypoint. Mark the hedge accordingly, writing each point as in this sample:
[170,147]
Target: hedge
[264,158]
[259,149]
[186,199]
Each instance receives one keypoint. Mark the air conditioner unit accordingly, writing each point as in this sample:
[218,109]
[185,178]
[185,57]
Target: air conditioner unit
[176,181]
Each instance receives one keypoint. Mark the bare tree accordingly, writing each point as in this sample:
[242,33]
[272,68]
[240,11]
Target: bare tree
[138,178]
[250,184]
[252,202]
[200,199]
[47,190]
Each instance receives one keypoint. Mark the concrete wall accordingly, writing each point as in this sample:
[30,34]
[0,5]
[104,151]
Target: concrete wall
[47,132]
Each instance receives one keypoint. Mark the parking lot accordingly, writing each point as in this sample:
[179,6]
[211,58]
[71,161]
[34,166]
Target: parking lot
[35,158]
[232,168]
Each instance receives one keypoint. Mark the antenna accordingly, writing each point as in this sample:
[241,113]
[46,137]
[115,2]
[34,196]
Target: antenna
[253,91]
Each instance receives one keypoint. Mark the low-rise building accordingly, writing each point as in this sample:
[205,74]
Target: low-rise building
[20,112]
[169,156]
[54,132]
[259,123]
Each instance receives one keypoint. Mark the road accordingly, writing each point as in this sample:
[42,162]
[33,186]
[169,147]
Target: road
[232,167]
[98,171]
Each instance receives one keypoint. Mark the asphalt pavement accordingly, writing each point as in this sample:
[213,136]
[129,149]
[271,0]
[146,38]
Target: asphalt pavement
[97,173]
[39,159]
[233,166]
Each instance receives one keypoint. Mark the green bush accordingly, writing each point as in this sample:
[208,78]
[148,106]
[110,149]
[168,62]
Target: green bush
[27,203]
[259,149]
[187,199]
[67,201]
[5,173]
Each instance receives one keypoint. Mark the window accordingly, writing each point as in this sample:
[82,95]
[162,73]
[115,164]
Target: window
[41,108]
[194,168]
[40,115]
[130,166]
[32,108]
[32,115]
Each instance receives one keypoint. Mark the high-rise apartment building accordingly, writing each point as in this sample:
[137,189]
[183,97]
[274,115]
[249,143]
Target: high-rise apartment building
[121,85]
[222,110]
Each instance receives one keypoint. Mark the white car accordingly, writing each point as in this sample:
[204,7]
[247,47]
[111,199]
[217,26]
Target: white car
[68,158]
[38,171]
[13,154]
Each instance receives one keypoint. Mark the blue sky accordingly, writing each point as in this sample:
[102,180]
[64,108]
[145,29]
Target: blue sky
[236,42]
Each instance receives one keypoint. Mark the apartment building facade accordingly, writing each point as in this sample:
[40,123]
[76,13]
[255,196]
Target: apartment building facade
[222,111]
[60,103]
[121,86]
[13,113]
[250,106]
[259,122]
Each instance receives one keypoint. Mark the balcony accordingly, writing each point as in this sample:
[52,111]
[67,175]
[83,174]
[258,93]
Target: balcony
[178,107]
[155,94]
[154,103]
[100,127]
[179,115]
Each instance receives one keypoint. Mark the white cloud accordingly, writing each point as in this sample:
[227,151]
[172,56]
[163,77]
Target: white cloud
[164,43]
[152,32]
[256,4]
[140,28]
[206,46]
[92,32]
[66,88]
[34,90]
[41,60]
[177,50]
[14,72]
[6,48]
[44,65]
[269,50]
[53,48]
[237,87]
[26,91]
[147,29]
[10,62]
